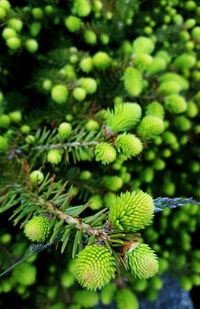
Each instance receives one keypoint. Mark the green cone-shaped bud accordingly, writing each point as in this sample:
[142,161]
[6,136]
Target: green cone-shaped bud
[105,153]
[94,267]
[155,109]
[169,87]
[142,261]
[124,117]
[175,104]
[150,127]
[133,81]
[64,130]
[143,45]
[128,144]
[86,299]
[54,156]
[126,299]
[37,229]
[36,177]
[132,211]
[183,83]
[185,61]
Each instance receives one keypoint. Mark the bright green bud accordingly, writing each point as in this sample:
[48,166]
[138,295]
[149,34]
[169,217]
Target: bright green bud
[133,81]
[73,23]
[142,261]
[90,37]
[109,199]
[79,94]
[25,274]
[82,8]
[15,24]
[36,177]
[105,153]
[37,229]
[13,43]
[143,45]
[31,45]
[169,87]
[183,83]
[158,65]
[85,175]
[89,84]
[86,64]
[155,109]
[185,61]
[25,129]
[175,104]
[140,285]
[92,125]
[3,144]
[150,127]
[196,34]
[126,299]
[86,299]
[101,60]
[64,130]
[128,144]
[4,121]
[156,283]
[94,267]
[169,138]
[142,61]
[132,211]
[67,280]
[8,33]
[15,116]
[124,117]
[37,13]
[192,109]
[54,156]
[59,94]
[112,183]
[107,293]
[5,5]
[95,202]
[182,123]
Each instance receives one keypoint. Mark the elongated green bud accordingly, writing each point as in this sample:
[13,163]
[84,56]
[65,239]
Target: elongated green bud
[124,117]
[132,211]
[105,153]
[142,261]
[107,293]
[175,104]
[126,299]
[174,77]
[113,183]
[133,81]
[185,61]
[94,267]
[128,144]
[150,127]
[37,229]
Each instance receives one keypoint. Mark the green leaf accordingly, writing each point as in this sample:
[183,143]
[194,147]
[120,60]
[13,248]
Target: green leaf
[75,211]
[77,241]
[65,238]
